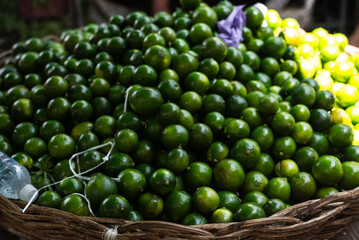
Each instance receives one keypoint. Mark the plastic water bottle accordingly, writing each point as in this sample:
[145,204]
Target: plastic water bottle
[15,180]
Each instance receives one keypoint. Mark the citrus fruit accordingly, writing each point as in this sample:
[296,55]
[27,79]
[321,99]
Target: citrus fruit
[70,186]
[194,219]
[99,188]
[228,175]
[61,146]
[256,197]
[150,205]
[115,206]
[162,181]
[131,183]
[75,204]
[247,152]
[49,199]
[340,135]
[177,205]
[198,174]
[303,186]
[205,200]
[175,135]
[278,188]
[248,211]
[273,206]
[327,170]
[350,178]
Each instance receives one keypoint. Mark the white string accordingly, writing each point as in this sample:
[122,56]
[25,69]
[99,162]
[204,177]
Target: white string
[126,100]
[87,200]
[79,175]
[110,233]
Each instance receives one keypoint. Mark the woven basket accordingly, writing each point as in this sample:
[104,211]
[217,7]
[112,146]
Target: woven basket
[314,219]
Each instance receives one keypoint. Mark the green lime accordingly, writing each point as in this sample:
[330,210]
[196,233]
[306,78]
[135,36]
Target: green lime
[205,15]
[117,162]
[134,216]
[304,94]
[351,153]
[340,135]
[61,146]
[199,32]
[205,200]
[70,186]
[273,206]
[177,205]
[35,147]
[235,104]
[327,170]
[150,205]
[184,64]
[200,136]
[228,175]
[255,197]
[158,57]
[115,206]
[252,116]
[236,129]
[198,174]
[278,188]
[194,219]
[75,204]
[320,120]
[228,200]
[162,181]
[177,160]
[282,123]
[126,140]
[325,192]
[221,215]
[215,48]
[24,159]
[254,17]
[87,140]
[248,211]
[99,188]
[49,199]
[247,152]
[303,186]
[263,135]
[265,164]
[302,132]
[254,181]
[215,121]
[197,82]
[175,135]
[145,75]
[131,183]
[300,112]
[350,178]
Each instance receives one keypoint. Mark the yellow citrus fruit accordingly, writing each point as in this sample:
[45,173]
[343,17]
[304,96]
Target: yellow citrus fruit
[336,86]
[325,82]
[273,19]
[347,95]
[340,116]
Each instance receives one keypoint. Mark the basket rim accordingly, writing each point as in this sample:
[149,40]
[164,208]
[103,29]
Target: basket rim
[299,218]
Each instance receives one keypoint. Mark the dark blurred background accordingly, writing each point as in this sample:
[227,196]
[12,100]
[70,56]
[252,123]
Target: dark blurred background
[21,19]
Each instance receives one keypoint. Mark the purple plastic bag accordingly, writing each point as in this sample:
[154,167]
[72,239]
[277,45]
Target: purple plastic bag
[231,28]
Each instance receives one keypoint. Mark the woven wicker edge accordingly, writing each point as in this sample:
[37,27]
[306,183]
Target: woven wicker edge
[313,219]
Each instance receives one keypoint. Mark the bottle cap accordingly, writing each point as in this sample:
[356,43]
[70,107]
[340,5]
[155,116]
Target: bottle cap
[27,192]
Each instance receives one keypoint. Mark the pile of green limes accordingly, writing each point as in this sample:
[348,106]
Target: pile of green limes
[203,132]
